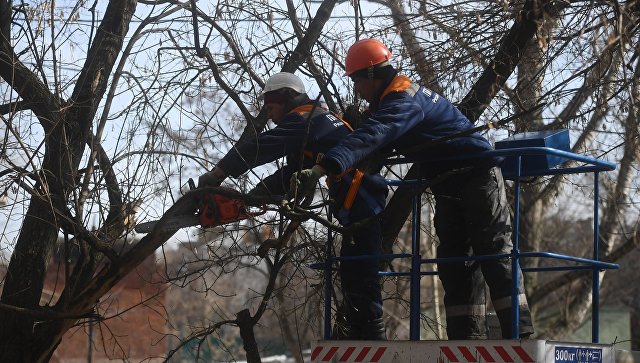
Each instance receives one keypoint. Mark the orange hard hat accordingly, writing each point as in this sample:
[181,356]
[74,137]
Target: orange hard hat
[365,53]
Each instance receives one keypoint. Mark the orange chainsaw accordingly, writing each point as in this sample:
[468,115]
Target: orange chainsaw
[210,209]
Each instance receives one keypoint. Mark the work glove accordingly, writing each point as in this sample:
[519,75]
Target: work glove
[302,184]
[211,178]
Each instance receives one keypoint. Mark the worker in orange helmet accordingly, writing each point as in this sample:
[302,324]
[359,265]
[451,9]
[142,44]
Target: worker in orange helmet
[471,211]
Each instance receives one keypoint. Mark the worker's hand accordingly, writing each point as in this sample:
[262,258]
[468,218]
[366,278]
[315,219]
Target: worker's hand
[212,178]
[260,191]
[303,183]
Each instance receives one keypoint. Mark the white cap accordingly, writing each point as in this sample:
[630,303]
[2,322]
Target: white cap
[283,80]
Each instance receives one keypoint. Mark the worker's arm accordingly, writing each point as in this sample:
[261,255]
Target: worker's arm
[212,178]
[269,146]
[398,113]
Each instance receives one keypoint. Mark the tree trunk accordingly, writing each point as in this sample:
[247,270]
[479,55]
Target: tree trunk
[24,283]
[528,93]
[245,323]
[24,339]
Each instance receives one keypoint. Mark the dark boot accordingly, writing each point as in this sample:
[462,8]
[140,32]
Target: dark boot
[374,330]
[526,326]
[371,330]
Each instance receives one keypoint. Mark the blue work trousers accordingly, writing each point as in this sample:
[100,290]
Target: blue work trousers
[359,278]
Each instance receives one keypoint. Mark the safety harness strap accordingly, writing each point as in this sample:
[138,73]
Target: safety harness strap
[353,189]
[355,180]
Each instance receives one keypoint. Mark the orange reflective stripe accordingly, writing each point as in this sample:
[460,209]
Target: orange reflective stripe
[399,84]
[303,109]
[353,189]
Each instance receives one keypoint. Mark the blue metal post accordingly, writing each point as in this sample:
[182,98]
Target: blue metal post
[515,301]
[595,288]
[328,263]
[415,273]
[414,305]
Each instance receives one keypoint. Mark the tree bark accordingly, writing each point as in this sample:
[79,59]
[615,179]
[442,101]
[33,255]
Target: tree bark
[528,93]
[512,48]
[245,323]
[68,127]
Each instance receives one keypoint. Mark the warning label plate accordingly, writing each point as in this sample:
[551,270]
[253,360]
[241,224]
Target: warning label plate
[577,355]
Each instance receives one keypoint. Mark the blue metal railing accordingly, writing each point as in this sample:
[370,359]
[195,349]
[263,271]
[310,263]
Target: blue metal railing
[589,165]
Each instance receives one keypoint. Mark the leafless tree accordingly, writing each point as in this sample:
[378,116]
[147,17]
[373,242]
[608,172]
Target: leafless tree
[108,109]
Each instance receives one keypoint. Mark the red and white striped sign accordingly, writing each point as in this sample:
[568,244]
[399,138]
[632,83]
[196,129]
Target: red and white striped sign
[489,354]
[454,351]
[347,354]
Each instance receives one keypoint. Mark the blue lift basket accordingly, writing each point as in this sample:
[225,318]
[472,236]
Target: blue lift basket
[526,155]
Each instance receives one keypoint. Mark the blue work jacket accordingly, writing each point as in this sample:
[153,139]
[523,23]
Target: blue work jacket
[290,139]
[409,118]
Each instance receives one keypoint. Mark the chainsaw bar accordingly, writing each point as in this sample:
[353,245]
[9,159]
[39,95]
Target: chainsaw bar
[214,208]
[172,224]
